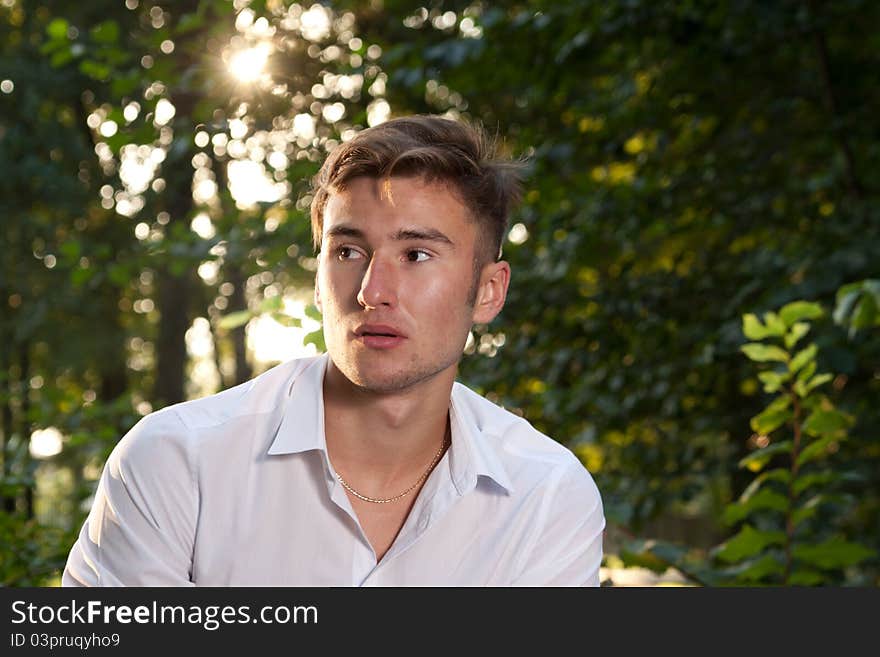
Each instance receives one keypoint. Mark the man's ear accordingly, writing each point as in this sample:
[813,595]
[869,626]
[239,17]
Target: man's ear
[491,291]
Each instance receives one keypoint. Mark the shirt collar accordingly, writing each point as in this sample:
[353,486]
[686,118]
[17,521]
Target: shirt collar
[476,455]
[471,454]
[302,427]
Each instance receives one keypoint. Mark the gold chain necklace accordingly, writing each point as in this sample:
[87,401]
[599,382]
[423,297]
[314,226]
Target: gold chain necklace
[379,500]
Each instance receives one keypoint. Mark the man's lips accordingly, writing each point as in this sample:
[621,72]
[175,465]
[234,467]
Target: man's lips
[379,336]
[381,330]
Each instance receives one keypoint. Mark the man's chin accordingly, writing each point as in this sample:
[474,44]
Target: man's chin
[385,385]
[391,382]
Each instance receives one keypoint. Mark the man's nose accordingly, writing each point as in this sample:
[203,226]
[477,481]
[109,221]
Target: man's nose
[379,284]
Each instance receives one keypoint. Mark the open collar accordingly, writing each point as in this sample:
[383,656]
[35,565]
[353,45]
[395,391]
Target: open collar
[471,455]
[474,435]
[302,427]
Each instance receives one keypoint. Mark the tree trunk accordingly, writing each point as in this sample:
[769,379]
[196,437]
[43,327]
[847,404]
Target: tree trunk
[174,285]
[237,301]
[112,370]
[6,426]
[26,426]
[174,293]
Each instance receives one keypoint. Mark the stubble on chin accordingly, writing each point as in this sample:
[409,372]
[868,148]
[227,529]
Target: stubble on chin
[395,381]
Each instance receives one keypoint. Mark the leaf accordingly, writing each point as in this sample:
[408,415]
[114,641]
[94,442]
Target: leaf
[836,552]
[807,371]
[798,310]
[770,419]
[106,32]
[671,553]
[764,499]
[824,421]
[774,323]
[271,304]
[236,319]
[316,338]
[780,403]
[857,305]
[772,380]
[61,57]
[804,389]
[845,305]
[747,543]
[762,352]
[865,313]
[803,577]
[780,475]
[94,70]
[71,249]
[815,450]
[287,320]
[57,29]
[798,330]
[312,312]
[759,458]
[754,570]
[639,554]
[753,329]
[804,481]
[803,357]
[79,277]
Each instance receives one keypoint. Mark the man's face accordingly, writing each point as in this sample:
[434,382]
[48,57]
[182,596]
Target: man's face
[395,274]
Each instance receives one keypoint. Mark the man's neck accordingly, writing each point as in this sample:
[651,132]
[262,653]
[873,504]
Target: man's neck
[384,436]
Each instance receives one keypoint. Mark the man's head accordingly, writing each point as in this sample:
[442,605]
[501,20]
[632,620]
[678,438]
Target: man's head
[408,218]
[436,150]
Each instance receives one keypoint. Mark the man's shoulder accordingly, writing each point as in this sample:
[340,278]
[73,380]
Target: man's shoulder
[512,434]
[264,394]
[531,461]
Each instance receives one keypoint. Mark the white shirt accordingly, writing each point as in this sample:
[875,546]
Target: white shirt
[237,489]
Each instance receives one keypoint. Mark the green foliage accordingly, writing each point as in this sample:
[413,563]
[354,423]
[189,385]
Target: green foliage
[857,305]
[789,517]
[688,165]
[316,337]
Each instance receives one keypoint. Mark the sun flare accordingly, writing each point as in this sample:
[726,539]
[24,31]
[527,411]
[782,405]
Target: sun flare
[249,64]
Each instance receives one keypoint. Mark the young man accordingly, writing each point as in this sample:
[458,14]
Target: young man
[369,465]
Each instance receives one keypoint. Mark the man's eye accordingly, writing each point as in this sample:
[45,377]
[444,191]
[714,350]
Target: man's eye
[347,253]
[417,255]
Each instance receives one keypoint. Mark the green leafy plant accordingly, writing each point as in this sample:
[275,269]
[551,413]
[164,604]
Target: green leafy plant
[786,515]
[788,519]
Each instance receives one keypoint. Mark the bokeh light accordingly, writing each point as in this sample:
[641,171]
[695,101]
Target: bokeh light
[45,443]
[249,64]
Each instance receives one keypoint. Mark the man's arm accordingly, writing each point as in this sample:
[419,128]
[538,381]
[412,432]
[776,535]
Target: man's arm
[141,528]
[567,551]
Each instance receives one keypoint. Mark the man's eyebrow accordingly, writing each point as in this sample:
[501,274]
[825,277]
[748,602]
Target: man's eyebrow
[423,234]
[344,230]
